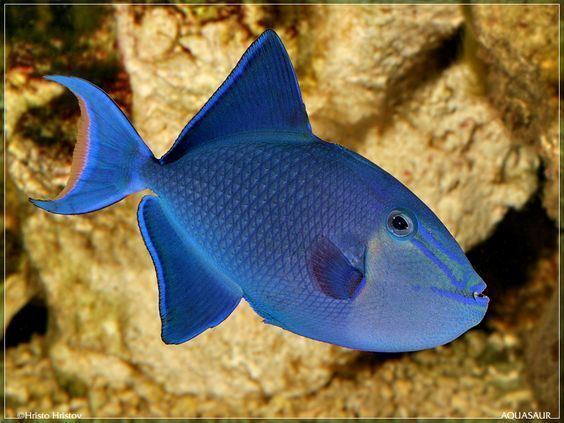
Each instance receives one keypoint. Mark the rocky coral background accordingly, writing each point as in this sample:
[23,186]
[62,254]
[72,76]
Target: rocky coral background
[459,102]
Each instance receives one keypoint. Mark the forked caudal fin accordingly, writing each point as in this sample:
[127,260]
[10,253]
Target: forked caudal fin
[107,158]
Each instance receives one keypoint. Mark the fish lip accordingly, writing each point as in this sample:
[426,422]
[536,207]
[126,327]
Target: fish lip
[481,298]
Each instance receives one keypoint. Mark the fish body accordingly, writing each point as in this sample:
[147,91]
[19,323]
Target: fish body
[249,203]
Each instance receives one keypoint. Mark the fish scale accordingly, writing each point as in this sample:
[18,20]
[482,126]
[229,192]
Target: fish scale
[230,232]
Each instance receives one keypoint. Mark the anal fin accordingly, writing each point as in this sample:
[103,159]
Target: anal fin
[192,295]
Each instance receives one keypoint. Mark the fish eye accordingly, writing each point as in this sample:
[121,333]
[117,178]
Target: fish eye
[400,223]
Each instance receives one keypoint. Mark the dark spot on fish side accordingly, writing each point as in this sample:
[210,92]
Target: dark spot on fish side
[31,319]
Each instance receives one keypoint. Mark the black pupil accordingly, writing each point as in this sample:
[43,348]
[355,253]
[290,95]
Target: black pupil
[399,223]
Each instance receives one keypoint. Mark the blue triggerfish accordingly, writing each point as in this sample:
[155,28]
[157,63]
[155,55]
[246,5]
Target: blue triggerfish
[249,203]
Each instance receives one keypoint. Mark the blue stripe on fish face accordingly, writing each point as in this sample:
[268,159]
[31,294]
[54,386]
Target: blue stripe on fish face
[457,270]
[430,239]
[431,254]
[463,297]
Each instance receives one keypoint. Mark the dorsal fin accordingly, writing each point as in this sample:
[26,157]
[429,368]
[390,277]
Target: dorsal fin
[260,94]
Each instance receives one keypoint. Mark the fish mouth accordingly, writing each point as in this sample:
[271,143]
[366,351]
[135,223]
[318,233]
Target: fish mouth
[478,293]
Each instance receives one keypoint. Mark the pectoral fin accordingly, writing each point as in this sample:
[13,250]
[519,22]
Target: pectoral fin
[193,296]
[332,272]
